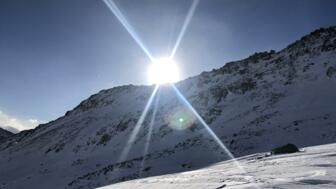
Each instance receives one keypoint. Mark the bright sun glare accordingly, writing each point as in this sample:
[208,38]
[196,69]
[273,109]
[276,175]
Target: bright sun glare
[163,71]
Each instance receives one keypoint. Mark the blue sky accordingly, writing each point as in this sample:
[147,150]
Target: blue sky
[54,54]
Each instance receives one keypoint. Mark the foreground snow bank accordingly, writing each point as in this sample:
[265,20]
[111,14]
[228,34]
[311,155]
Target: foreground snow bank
[315,167]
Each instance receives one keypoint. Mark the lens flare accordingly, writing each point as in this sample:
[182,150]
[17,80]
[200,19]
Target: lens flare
[137,127]
[181,119]
[214,136]
[184,27]
[117,13]
[149,134]
[161,72]
[212,133]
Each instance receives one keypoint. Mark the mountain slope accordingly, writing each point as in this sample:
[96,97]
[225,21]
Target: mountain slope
[253,105]
[4,134]
[312,168]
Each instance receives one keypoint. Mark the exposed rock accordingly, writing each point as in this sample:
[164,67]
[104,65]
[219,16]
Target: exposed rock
[288,148]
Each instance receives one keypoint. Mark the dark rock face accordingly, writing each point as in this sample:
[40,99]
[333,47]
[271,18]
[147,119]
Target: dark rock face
[331,72]
[288,148]
[4,134]
[252,105]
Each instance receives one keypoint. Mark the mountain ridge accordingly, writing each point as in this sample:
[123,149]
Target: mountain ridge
[4,134]
[253,105]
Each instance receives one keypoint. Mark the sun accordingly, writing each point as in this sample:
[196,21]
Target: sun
[163,71]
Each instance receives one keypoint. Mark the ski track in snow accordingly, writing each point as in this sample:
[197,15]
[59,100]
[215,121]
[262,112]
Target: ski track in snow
[253,105]
[313,168]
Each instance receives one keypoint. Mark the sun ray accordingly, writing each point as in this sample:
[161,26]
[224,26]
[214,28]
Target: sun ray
[219,142]
[137,126]
[149,134]
[115,10]
[184,27]
[117,13]
[210,131]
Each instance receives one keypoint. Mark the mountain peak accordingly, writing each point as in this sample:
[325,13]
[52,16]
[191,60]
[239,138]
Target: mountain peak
[253,105]
[4,134]
[323,39]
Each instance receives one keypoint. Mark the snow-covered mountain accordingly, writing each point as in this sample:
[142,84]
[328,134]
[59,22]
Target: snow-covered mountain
[314,168]
[4,134]
[253,105]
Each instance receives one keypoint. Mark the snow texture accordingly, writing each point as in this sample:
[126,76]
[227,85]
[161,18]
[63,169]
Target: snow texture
[253,105]
[315,167]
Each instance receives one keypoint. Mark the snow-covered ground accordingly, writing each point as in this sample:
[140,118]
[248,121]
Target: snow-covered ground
[315,167]
[252,105]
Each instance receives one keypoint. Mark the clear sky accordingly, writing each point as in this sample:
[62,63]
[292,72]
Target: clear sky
[56,53]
